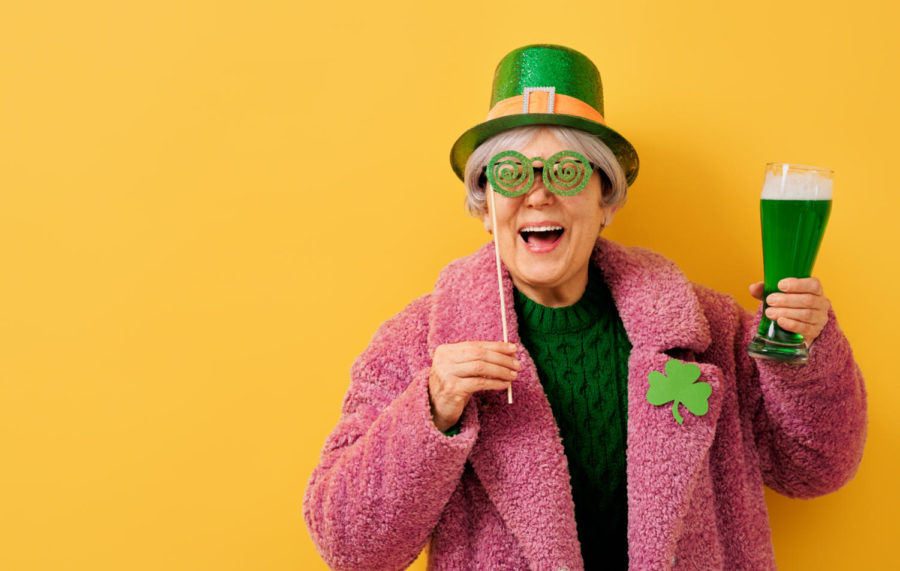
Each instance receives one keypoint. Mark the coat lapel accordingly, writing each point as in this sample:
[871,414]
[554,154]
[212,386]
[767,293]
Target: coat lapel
[663,460]
[519,457]
[660,312]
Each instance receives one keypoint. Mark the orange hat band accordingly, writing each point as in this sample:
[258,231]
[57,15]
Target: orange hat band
[544,100]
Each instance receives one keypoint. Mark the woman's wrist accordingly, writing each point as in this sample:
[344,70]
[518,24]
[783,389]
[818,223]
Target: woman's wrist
[442,423]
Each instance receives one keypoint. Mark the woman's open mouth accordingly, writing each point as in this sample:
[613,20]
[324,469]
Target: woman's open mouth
[541,239]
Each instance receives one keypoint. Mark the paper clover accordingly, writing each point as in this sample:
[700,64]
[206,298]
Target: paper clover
[678,386]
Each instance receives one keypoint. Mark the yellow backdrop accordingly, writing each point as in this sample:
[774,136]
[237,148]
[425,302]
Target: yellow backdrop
[209,207]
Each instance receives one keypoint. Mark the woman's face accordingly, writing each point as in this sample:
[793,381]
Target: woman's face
[549,265]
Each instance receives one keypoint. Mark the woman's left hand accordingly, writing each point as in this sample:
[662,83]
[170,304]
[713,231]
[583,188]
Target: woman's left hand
[800,307]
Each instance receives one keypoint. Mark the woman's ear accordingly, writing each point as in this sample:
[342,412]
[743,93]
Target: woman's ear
[610,214]
[486,220]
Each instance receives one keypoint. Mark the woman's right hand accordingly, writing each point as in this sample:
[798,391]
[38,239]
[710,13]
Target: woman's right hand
[460,369]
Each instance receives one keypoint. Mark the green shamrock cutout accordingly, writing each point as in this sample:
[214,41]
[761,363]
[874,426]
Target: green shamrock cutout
[678,386]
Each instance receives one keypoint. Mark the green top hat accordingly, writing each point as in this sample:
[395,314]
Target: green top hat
[545,84]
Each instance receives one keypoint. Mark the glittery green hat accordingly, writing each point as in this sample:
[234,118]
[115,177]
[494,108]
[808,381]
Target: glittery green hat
[544,84]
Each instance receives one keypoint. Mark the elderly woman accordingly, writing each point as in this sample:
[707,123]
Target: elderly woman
[579,469]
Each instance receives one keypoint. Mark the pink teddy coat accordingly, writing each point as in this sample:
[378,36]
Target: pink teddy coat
[497,496]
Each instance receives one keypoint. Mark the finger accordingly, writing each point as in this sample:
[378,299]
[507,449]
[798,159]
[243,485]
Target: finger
[801,285]
[469,350]
[498,346]
[476,352]
[798,300]
[482,347]
[756,290]
[808,316]
[800,327]
[484,369]
[475,384]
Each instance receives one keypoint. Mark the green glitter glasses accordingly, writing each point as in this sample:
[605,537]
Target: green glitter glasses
[512,174]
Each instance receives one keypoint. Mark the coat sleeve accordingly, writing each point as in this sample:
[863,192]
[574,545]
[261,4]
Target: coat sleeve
[809,421]
[386,472]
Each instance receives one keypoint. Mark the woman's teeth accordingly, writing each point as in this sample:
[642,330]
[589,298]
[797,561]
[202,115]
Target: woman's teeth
[541,229]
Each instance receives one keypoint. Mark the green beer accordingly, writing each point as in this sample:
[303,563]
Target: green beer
[794,209]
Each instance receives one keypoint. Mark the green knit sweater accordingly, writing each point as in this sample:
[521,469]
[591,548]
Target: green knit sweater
[581,352]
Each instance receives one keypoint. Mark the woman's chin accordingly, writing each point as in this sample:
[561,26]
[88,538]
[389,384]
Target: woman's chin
[540,276]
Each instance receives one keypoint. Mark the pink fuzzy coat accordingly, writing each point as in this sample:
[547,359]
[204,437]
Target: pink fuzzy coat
[497,495]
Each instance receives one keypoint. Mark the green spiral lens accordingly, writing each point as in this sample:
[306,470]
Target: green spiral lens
[568,174]
[510,173]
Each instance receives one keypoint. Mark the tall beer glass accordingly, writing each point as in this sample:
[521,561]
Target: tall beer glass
[794,208]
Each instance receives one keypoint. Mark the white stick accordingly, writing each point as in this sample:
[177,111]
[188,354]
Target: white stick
[500,282]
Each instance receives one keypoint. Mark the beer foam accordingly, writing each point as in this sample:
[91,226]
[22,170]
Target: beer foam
[796,185]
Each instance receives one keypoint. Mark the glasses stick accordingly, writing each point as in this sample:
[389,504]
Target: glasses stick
[500,282]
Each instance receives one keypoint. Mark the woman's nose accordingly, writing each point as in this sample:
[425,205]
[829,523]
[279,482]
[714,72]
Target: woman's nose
[538,195]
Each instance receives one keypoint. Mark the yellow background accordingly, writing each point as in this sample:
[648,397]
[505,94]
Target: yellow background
[207,208]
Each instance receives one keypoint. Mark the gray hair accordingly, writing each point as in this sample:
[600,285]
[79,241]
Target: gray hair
[614,188]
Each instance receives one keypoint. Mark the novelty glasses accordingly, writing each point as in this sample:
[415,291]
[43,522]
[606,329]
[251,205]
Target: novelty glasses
[512,174]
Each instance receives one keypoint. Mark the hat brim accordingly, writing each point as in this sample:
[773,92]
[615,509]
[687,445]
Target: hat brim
[466,144]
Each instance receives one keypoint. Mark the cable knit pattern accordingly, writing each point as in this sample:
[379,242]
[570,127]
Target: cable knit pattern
[497,495]
[581,354]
